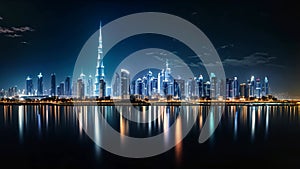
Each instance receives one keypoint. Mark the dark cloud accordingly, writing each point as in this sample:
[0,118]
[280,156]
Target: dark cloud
[13,35]
[258,58]
[5,30]
[22,29]
[15,32]
[1,18]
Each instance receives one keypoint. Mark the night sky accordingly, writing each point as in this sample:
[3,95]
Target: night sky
[252,38]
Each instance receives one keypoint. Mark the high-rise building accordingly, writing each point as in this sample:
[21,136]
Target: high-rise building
[74,89]
[213,85]
[116,86]
[266,87]
[100,66]
[68,86]
[102,88]
[160,79]
[244,90]
[40,84]
[179,88]
[125,83]
[235,88]
[108,91]
[207,88]
[62,88]
[154,86]
[252,87]
[229,88]
[58,90]
[29,86]
[80,88]
[258,88]
[53,84]
[139,87]
[191,88]
[200,85]
[90,88]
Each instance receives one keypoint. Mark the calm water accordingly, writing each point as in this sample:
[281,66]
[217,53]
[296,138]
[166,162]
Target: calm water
[52,137]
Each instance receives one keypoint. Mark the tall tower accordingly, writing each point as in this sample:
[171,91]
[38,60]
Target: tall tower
[100,67]
[53,84]
[40,84]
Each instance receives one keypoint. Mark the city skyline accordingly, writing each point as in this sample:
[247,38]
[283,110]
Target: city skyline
[256,46]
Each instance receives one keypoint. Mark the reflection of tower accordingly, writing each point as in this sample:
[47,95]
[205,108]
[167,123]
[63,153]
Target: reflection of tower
[100,67]
[40,84]
[125,83]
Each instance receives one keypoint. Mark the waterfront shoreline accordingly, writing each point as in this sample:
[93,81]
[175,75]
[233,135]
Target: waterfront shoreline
[155,103]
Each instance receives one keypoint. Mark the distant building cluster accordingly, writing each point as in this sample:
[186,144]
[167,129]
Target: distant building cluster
[162,86]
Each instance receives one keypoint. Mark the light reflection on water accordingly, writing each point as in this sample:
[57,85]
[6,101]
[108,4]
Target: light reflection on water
[246,120]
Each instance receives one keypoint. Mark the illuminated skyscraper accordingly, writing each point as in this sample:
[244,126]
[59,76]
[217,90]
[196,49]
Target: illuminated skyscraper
[207,88]
[116,86]
[243,90]
[258,88]
[252,87]
[68,86]
[266,87]
[139,87]
[53,84]
[125,83]
[102,88]
[213,85]
[80,88]
[100,67]
[200,85]
[61,89]
[149,79]
[235,88]
[90,88]
[179,88]
[29,86]
[40,84]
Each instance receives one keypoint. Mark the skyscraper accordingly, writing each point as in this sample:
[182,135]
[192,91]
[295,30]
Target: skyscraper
[235,88]
[100,66]
[90,88]
[266,87]
[80,88]
[116,86]
[213,85]
[102,88]
[40,84]
[125,82]
[200,85]
[258,88]
[62,88]
[53,84]
[68,86]
[139,87]
[29,86]
[244,90]
[179,88]
[252,87]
